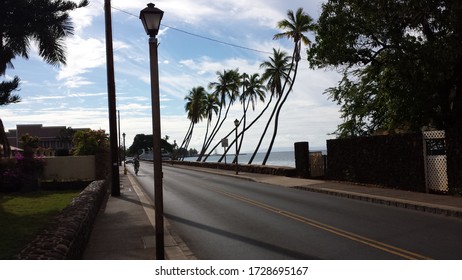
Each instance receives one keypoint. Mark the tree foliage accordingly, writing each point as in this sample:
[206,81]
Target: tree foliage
[401,62]
[144,142]
[90,142]
[294,28]
[22,22]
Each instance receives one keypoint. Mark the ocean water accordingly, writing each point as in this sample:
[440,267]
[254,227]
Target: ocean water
[275,158]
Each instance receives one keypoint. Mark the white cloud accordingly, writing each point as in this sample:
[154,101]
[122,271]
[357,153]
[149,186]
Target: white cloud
[83,17]
[82,55]
[307,115]
[200,12]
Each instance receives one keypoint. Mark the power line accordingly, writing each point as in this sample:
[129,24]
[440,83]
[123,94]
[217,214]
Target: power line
[199,36]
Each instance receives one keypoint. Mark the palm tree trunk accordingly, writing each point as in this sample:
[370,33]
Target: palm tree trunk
[187,138]
[276,120]
[265,130]
[248,127]
[203,144]
[222,156]
[212,136]
[199,158]
[241,134]
[184,139]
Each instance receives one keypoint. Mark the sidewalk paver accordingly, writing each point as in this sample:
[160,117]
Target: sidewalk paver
[125,228]
[122,229]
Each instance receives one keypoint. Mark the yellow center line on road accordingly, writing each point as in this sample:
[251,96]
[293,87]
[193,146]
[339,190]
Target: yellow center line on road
[337,231]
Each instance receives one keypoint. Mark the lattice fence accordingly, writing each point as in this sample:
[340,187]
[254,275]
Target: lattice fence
[435,160]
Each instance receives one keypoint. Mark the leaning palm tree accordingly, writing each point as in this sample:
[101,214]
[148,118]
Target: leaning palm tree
[195,104]
[253,90]
[247,127]
[294,28]
[227,90]
[276,72]
[211,108]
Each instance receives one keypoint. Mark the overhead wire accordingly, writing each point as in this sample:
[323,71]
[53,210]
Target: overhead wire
[199,36]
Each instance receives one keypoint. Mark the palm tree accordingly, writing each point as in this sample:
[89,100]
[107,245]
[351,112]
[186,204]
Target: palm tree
[195,104]
[211,107]
[226,89]
[45,22]
[276,71]
[252,90]
[294,28]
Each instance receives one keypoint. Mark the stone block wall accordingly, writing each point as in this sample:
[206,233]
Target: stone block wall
[66,235]
[251,168]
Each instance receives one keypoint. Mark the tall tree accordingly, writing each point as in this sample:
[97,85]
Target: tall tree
[144,142]
[45,22]
[227,91]
[195,105]
[211,108]
[294,28]
[260,93]
[401,60]
[276,71]
[253,90]
[403,67]
[89,142]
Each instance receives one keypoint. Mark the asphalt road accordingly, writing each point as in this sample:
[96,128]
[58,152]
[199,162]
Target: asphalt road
[222,217]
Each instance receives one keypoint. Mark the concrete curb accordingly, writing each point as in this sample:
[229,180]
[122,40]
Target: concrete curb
[396,202]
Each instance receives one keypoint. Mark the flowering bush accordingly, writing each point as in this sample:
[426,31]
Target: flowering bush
[11,180]
[21,173]
[30,165]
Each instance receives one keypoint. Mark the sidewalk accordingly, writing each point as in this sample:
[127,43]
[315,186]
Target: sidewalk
[124,228]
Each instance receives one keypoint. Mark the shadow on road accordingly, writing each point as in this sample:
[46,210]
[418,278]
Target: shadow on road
[271,247]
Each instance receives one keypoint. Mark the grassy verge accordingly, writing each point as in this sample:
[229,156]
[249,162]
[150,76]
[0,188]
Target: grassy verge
[22,215]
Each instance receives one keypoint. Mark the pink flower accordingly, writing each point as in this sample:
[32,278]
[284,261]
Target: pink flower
[18,156]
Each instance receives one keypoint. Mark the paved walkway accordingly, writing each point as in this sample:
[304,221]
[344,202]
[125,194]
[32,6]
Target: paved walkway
[124,228]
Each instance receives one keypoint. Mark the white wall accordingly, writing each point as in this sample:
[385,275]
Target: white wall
[69,168]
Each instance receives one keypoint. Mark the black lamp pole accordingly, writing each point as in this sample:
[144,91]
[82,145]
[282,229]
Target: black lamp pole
[151,17]
[125,166]
[236,123]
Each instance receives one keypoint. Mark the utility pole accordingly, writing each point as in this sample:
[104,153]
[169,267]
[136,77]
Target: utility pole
[115,189]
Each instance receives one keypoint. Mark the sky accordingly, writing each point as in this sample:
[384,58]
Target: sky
[75,95]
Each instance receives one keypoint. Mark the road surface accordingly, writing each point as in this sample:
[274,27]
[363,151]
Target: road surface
[221,217]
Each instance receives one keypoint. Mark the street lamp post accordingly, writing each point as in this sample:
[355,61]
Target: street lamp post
[125,167]
[151,17]
[236,123]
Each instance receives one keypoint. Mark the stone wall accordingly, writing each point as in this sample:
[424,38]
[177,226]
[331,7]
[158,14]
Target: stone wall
[66,235]
[251,168]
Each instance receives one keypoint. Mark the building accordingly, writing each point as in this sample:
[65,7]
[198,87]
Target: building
[51,138]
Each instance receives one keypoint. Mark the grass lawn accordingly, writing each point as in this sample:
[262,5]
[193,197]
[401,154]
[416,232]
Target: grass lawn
[22,215]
